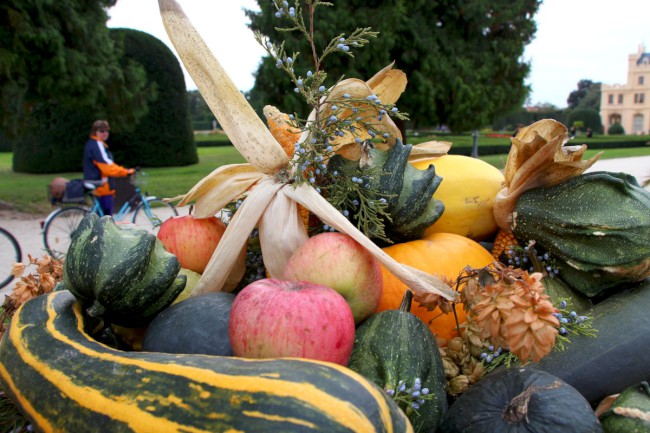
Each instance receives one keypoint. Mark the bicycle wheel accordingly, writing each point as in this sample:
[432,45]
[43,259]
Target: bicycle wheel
[59,228]
[150,215]
[9,254]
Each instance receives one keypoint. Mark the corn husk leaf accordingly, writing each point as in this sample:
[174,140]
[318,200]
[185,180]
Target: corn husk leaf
[239,121]
[537,158]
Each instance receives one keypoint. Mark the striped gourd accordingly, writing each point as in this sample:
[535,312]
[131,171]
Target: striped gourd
[64,381]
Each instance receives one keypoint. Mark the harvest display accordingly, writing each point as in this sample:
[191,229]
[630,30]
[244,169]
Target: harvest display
[342,280]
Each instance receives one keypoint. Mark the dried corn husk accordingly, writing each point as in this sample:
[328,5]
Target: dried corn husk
[270,199]
[537,158]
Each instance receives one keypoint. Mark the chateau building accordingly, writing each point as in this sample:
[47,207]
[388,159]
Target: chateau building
[629,104]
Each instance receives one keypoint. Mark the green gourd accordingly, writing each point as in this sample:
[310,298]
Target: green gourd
[630,412]
[394,346]
[520,399]
[121,274]
[596,225]
[407,190]
[64,381]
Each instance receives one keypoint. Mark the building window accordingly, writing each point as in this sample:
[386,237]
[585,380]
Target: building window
[610,99]
[620,98]
[637,124]
[640,79]
[639,98]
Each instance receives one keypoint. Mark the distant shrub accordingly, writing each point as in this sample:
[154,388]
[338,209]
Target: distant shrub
[584,118]
[616,129]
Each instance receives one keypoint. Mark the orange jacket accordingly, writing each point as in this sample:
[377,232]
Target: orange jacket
[98,165]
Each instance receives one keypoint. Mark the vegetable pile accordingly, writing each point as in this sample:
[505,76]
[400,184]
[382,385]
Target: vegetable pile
[344,281]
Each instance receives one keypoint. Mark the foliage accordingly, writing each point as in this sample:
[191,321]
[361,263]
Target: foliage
[60,53]
[463,61]
[586,96]
[589,117]
[527,116]
[616,129]
[163,136]
[142,122]
[200,113]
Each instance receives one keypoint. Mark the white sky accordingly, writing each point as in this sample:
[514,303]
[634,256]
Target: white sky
[575,39]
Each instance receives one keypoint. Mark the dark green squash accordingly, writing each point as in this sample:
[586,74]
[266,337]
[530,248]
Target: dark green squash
[597,226]
[408,191]
[618,356]
[520,399]
[630,412]
[395,345]
[121,274]
[557,289]
[197,325]
[64,381]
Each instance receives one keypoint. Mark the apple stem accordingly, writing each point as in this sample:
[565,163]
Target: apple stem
[405,306]
[191,209]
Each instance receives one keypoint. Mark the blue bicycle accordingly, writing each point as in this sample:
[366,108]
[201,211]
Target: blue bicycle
[141,209]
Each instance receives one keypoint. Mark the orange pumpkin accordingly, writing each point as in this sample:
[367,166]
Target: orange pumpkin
[440,254]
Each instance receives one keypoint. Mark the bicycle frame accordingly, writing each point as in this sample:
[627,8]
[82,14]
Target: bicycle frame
[127,207]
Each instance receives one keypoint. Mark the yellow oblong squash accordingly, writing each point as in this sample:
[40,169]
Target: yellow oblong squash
[467,190]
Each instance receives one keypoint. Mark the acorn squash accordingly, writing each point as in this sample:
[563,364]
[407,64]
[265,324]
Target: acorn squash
[121,274]
[520,399]
[445,254]
[467,190]
[64,381]
[394,348]
[407,190]
[596,225]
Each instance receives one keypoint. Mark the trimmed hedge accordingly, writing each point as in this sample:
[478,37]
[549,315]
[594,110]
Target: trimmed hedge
[162,137]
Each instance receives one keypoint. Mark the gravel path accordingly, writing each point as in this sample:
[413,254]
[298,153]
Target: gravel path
[27,228]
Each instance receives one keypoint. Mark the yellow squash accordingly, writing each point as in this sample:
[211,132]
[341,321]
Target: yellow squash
[468,188]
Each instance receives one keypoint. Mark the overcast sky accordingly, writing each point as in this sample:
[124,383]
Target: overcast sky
[575,39]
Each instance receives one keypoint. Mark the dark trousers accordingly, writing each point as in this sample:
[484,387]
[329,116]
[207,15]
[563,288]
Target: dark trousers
[106,203]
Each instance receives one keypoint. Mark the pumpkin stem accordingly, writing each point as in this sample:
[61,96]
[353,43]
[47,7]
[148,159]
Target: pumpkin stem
[517,410]
[405,306]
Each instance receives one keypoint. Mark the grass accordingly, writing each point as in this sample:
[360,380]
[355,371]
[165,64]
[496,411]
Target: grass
[28,192]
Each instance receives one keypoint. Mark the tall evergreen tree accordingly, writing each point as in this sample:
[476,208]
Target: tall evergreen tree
[463,59]
[59,52]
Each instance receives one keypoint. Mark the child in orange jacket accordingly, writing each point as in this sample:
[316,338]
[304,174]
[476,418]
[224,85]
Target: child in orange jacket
[98,165]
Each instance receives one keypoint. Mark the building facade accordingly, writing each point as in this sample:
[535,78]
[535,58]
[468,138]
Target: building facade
[629,104]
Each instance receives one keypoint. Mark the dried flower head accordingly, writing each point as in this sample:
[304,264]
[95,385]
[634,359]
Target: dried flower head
[511,309]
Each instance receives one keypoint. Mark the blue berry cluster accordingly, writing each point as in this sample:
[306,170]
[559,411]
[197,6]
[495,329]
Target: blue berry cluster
[410,399]
[567,321]
[492,353]
[518,257]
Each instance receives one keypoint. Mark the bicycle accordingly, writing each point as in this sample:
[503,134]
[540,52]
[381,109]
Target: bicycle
[148,212]
[9,254]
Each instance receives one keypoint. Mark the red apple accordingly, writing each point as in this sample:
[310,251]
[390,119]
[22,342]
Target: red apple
[338,261]
[273,318]
[191,240]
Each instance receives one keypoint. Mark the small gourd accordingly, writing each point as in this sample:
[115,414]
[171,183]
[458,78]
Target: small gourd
[520,399]
[597,226]
[468,190]
[121,274]
[630,412]
[392,349]
[408,191]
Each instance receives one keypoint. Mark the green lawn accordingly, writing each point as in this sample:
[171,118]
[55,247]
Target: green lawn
[28,192]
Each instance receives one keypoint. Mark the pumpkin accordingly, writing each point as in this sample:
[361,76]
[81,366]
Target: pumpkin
[520,399]
[408,191]
[596,225]
[630,412]
[195,325]
[618,356]
[63,380]
[394,347]
[121,274]
[467,190]
[445,254]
